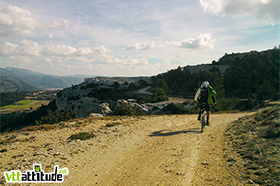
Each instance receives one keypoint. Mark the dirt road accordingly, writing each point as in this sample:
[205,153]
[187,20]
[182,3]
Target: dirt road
[146,150]
[157,150]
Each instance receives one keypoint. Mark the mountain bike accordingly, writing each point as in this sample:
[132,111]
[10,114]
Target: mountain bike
[203,116]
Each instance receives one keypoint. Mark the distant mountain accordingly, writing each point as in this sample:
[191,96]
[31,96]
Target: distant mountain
[17,79]
[13,85]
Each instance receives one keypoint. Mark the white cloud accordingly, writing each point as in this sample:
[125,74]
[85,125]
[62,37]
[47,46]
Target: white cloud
[102,50]
[260,8]
[213,6]
[28,47]
[22,59]
[141,46]
[59,25]
[59,50]
[84,51]
[25,47]
[64,53]
[8,48]
[17,21]
[49,36]
[140,67]
[202,41]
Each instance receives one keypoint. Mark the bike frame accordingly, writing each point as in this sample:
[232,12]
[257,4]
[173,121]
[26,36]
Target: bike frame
[203,117]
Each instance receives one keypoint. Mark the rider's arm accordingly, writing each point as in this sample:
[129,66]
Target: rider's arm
[197,95]
[214,100]
[213,95]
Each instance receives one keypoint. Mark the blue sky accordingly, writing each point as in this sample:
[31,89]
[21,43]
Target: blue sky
[131,37]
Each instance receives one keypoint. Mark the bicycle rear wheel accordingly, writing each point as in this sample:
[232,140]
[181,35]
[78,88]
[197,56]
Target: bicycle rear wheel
[203,120]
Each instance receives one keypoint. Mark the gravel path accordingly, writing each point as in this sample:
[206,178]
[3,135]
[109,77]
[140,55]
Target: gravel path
[146,150]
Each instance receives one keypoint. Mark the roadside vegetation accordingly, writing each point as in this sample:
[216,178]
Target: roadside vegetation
[256,140]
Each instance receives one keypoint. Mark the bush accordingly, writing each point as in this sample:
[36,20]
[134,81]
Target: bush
[3,150]
[77,97]
[82,136]
[272,131]
[112,124]
[159,95]
[175,109]
[226,104]
[55,117]
[128,110]
[144,99]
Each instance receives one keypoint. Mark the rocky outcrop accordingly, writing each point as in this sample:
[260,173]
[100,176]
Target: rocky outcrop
[131,103]
[153,108]
[76,100]
[82,100]
[85,106]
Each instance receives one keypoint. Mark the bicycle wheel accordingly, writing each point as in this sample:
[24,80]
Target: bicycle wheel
[203,120]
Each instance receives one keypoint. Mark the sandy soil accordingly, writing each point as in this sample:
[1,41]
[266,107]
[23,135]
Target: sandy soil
[146,150]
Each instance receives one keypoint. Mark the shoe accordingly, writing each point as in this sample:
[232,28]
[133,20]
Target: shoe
[207,123]
[199,117]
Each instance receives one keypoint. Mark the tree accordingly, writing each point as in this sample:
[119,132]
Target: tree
[160,83]
[116,85]
[142,83]
[132,86]
[159,95]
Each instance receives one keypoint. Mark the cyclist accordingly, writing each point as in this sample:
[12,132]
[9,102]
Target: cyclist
[204,96]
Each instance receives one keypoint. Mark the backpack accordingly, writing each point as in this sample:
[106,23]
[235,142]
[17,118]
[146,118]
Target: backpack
[203,95]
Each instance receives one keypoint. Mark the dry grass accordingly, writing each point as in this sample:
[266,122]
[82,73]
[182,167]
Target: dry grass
[45,127]
[256,140]
[12,140]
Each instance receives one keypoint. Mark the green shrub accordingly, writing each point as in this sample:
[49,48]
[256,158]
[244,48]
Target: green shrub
[272,131]
[82,136]
[77,97]
[3,150]
[55,117]
[175,109]
[144,99]
[125,109]
[112,124]
[226,104]
[159,95]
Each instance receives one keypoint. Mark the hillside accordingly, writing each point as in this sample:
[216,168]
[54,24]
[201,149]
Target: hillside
[15,85]
[16,79]
[255,142]
[234,75]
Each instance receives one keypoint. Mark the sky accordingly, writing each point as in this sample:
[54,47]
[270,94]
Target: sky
[131,37]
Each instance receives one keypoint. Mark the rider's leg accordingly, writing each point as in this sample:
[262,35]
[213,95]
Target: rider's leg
[207,117]
[199,113]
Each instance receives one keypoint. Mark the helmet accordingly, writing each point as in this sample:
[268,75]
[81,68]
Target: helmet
[205,84]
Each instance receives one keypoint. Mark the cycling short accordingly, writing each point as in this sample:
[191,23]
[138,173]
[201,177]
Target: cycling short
[203,105]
